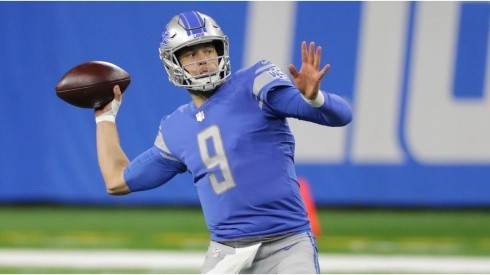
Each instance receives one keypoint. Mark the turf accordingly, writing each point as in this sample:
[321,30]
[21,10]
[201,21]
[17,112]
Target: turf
[359,231]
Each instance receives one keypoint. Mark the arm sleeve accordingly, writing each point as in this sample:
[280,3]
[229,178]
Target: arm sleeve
[287,101]
[150,170]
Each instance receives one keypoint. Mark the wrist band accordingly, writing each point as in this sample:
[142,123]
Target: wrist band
[317,102]
[110,118]
[109,115]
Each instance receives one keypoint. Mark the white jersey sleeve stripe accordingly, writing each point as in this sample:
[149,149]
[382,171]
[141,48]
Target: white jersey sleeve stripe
[160,143]
[168,157]
[261,69]
[260,82]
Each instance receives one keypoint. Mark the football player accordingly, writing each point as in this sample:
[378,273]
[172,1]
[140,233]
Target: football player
[233,137]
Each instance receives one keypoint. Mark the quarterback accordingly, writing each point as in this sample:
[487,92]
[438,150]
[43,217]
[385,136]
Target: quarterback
[234,139]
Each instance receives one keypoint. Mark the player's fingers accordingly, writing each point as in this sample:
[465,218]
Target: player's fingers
[293,71]
[311,53]
[324,71]
[318,58]
[304,52]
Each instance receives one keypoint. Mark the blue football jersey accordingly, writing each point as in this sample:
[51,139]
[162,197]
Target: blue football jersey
[240,154]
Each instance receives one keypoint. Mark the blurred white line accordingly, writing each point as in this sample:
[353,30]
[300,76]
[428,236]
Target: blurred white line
[403,264]
[329,263]
[100,258]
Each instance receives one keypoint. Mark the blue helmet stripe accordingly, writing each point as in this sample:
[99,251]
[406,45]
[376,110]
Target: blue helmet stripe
[192,22]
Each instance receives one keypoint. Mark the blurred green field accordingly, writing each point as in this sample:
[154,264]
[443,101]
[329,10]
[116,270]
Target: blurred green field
[353,231]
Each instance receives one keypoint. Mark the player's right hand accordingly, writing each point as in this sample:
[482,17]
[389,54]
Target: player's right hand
[109,111]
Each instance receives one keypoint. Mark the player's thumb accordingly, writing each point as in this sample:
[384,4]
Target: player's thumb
[117,93]
[292,70]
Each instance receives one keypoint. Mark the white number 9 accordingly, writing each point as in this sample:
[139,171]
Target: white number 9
[218,158]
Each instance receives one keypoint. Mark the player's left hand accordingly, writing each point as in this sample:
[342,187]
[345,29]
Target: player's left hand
[307,80]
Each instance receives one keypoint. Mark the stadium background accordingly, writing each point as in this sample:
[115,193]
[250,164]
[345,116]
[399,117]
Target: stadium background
[416,74]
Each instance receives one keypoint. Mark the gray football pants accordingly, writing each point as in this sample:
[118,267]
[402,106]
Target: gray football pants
[295,254]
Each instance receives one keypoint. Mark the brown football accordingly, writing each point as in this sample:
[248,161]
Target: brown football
[90,84]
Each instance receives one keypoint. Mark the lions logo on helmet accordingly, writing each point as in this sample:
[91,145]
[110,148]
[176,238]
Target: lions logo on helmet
[189,29]
[164,40]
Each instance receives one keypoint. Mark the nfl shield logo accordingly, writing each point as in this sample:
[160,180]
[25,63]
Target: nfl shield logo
[216,252]
[200,116]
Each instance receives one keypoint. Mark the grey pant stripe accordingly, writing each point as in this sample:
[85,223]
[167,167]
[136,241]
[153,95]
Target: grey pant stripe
[313,243]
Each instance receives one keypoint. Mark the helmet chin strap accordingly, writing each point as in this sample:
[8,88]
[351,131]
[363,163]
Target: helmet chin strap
[206,83]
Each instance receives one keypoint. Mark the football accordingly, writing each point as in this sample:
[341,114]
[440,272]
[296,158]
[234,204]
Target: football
[90,84]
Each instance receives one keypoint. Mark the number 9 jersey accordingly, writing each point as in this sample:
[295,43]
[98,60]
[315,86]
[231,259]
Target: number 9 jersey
[240,152]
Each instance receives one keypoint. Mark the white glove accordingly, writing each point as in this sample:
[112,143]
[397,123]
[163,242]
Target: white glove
[111,114]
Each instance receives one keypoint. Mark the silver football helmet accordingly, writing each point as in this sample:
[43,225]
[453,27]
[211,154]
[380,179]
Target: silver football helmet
[189,29]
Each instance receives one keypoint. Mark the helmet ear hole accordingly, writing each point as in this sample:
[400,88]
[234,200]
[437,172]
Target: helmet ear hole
[178,53]
[218,45]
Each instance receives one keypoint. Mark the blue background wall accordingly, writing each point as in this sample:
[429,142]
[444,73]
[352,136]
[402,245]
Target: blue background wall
[48,147]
